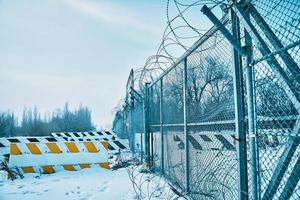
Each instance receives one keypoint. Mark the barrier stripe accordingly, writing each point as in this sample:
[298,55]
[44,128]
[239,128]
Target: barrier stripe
[72,147]
[194,143]
[114,144]
[28,169]
[33,148]
[90,147]
[82,166]
[14,150]
[104,165]
[48,169]
[14,140]
[111,147]
[32,157]
[69,167]
[57,148]
[105,144]
[119,144]
[51,139]
[225,142]
[205,138]
[32,139]
[54,148]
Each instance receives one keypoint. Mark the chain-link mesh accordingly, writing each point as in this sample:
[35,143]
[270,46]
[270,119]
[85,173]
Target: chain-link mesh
[210,115]
[174,159]
[276,107]
[137,127]
[118,124]
[129,123]
[154,111]
[121,123]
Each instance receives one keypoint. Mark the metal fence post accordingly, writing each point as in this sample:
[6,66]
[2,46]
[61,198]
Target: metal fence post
[239,113]
[142,142]
[146,123]
[254,167]
[187,164]
[131,124]
[161,124]
[150,99]
[123,123]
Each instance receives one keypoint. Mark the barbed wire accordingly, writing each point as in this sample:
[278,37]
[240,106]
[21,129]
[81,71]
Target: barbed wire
[179,34]
[175,37]
[172,39]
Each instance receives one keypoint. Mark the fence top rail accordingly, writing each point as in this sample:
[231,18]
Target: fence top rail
[208,34]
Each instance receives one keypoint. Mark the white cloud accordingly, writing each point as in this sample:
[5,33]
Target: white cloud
[114,14]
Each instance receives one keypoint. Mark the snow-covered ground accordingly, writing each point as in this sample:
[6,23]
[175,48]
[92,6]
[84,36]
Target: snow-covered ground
[93,183]
[86,184]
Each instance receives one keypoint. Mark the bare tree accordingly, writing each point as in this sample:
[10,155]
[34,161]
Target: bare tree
[210,76]
[8,124]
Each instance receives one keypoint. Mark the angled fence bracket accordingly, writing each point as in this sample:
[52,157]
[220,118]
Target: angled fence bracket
[274,41]
[291,183]
[206,11]
[281,167]
[264,49]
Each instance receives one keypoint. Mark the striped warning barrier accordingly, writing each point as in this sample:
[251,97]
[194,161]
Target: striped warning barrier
[5,142]
[49,157]
[207,141]
[225,141]
[85,135]
[115,144]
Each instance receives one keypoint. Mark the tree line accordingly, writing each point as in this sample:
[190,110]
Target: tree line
[33,124]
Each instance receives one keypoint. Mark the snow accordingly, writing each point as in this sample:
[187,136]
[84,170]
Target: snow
[86,184]
[93,183]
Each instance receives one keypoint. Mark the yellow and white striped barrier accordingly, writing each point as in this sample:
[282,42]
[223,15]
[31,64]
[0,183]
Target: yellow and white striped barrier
[115,144]
[5,142]
[104,134]
[49,157]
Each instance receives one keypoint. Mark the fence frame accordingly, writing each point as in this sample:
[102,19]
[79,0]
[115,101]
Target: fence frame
[240,15]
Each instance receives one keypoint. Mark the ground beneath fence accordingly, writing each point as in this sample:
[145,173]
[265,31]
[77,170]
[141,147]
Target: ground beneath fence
[87,184]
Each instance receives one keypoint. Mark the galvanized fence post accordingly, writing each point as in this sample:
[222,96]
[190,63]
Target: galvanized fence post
[143,132]
[254,166]
[150,121]
[161,124]
[185,129]
[131,124]
[146,123]
[239,112]
[123,123]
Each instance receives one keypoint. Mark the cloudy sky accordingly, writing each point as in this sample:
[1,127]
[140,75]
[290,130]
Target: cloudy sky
[76,51]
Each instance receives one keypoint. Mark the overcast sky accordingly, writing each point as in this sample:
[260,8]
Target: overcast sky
[76,51]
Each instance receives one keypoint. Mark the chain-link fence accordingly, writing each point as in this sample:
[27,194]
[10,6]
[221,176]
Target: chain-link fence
[223,121]
[129,123]
[276,90]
